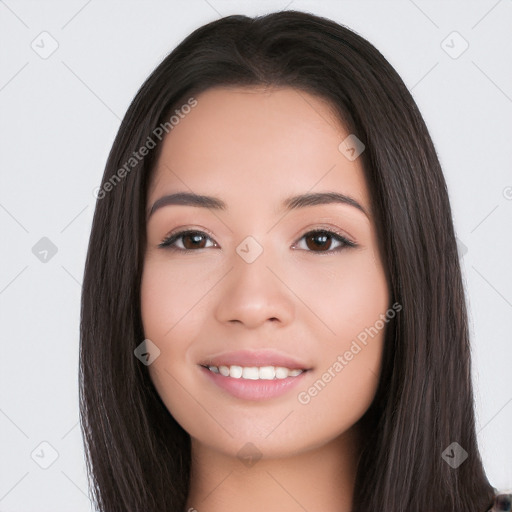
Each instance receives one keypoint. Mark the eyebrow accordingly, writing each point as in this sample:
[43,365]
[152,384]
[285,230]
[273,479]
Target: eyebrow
[291,203]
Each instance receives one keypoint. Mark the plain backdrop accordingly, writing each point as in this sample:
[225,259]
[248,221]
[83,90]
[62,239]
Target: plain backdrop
[68,72]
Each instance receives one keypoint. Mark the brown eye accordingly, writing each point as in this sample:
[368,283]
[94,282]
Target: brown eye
[322,241]
[196,241]
[190,240]
[318,240]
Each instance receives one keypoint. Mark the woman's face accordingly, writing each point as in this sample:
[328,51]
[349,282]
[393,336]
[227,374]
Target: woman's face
[260,285]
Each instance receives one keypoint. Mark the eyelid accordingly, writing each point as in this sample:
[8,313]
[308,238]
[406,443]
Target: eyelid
[347,240]
[178,232]
[339,236]
[328,227]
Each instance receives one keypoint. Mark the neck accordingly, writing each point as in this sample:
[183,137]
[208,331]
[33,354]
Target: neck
[318,479]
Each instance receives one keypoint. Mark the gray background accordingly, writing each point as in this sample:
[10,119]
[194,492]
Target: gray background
[59,115]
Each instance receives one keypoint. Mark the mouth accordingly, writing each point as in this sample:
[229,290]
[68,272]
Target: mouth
[256,372]
[265,364]
[244,383]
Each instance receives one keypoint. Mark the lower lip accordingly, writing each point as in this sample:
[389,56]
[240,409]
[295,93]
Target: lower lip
[248,389]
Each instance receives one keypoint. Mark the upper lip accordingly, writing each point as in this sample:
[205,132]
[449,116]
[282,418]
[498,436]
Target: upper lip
[247,358]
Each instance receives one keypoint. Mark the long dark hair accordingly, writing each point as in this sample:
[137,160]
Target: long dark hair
[138,456]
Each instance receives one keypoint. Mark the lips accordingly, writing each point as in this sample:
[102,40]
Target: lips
[253,390]
[247,358]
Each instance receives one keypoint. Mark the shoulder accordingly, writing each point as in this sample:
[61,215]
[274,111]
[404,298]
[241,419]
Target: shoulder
[502,502]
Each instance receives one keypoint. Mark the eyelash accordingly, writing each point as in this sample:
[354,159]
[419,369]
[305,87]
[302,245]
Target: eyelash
[168,242]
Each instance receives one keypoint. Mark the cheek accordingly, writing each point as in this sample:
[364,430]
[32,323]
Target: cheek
[352,301]
[171,298]
[344,295]
[342,390]
[170,311]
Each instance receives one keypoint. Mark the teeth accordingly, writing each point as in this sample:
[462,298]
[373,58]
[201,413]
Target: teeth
[224,370]
[255,372]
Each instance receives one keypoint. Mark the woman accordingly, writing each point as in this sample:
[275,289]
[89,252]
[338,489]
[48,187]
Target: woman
[224,363]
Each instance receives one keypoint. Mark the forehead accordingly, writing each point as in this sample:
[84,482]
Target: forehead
[250,143]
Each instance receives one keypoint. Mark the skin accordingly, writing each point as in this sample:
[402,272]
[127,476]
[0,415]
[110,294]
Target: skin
[252,148]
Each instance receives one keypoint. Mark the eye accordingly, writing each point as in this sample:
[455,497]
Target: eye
[190,240]
[316,241]
[322,239]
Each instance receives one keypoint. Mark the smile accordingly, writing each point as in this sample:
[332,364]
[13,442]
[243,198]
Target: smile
[253,382]
[255,372]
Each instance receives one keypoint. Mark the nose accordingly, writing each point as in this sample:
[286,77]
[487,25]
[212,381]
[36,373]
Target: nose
[255,293]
